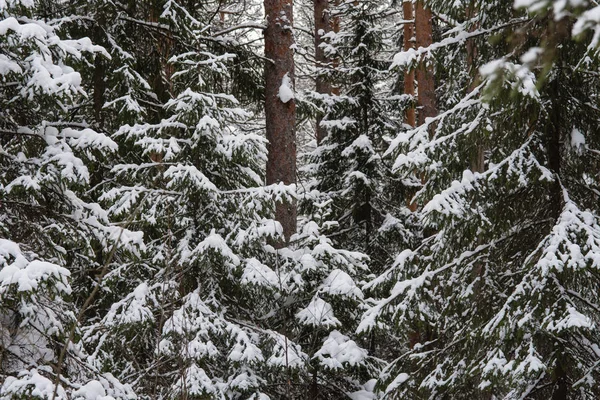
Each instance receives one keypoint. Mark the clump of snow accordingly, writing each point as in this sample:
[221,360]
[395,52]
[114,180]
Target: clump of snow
[257,273]
[366,393]
[532,55]
[285,352]
[573,318]
[340,124]
[318,313]
[30,384]
[134,308]
[340,283]
[92,390]
[244,350]
[577,140]
[215,242]
[195,382]
[286,93]
[338,350]
[27,276]
[519,77]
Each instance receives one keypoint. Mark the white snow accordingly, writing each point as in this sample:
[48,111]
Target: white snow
[30,383]
[26,275]
[398,380]
[195,382]
[216,242]
[178,173]
[259,274]
[318,313]
[338,350]
[286,92]
[92,390]
[572,319]
[285,353]
[340,283]
[577,140]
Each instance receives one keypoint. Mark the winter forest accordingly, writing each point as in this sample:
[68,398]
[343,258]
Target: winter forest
[299,199]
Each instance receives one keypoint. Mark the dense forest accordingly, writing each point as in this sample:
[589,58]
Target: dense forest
[299,199]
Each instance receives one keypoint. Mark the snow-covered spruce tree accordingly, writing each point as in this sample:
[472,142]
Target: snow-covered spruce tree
[499,301]
[174,324]
[368,202]
[133,85]
[188,167]
[365,203]
[52,231]
[319,302]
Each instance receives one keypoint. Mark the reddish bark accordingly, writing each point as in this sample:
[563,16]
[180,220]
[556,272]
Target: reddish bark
[409,76]
[323,86]
[477,159]
[427,106]
[426,100]
[335,27]
[280,116]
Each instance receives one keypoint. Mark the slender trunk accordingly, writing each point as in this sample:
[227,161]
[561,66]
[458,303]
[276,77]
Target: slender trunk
[99,73]
[560,388]
[409,75]
[477,159]
[99,89]
[314,386]
[280,111]
[335,27]
[427,108]
[409,78]
[163,83]
[323,86]
[426,100]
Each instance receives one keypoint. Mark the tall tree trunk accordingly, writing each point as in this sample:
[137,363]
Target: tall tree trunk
[323,86]
[409,75]
[426,100]
[477,158]
[335,27]
[99,71]
[280,115]
[427,108]
[313,393]
[409,79]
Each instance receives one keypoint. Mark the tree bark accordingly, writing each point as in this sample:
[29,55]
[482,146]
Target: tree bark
[427,108]
[335,27]
[409,75]
[426,99]
[280,116]
[323,86]
[477,159]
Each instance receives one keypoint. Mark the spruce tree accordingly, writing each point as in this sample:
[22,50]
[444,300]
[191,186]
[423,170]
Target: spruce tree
[497,301]
[52,230]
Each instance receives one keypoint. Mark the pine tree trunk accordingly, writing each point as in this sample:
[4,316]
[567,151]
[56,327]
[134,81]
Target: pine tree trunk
[409,78]
[427,108]
[477,159]
[335,27]
[314,386]
[426,100]
[409,75]
[99,73]
[280,116]
[323,86]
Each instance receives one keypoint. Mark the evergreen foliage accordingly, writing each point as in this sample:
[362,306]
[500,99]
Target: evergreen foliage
[53,232]
[348,168]
[140,252]
[497,301]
